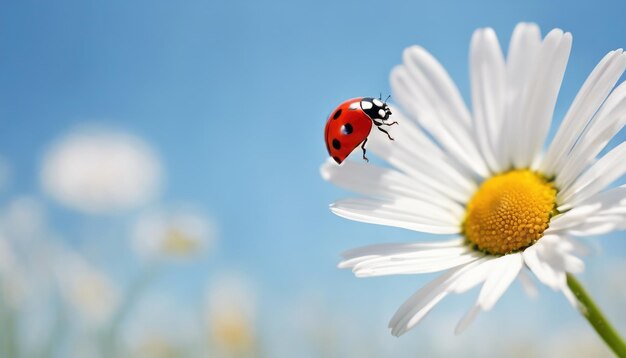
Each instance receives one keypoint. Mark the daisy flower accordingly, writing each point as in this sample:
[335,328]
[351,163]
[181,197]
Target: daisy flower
[508,207]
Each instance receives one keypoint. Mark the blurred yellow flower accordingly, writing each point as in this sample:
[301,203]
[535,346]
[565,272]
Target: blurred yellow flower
[88,290]
[231,331]
[156,347]
[230,315]
[173,234]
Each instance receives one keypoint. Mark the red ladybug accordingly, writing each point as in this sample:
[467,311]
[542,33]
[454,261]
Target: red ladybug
[350,124]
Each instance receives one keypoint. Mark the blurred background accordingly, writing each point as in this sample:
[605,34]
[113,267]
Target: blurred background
[160,192]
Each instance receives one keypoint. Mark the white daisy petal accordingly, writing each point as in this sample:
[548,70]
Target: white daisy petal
[609,120]
[444,92]
[413,250]
[475,276]
[569,295]
[414,139]
[549,259]
[604,172]
[505,270]
[599,226]
[498,274]
[487,74]
[404,252]
[421,297]
[387,249]
[591,95]
[573,246]
[572,218]
[394,265]
[546,263]
[541,94]
[527,284]
[523,49]
[411,95]
[554,252]
[573,264]
[376,212]
[600,214]
[467,320]
[429,167]
[441,95]
[543,272]
[404,207]
[384,183]
[423,301]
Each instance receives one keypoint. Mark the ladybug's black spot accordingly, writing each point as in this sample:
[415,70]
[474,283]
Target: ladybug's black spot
[347,128]
[337,114]
[336,144]
[337,160]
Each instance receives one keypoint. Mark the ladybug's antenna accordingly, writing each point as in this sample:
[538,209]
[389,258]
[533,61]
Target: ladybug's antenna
[386,98]
[380,96]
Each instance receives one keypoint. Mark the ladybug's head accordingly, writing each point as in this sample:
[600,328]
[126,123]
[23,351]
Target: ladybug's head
[387,110]
[375,108]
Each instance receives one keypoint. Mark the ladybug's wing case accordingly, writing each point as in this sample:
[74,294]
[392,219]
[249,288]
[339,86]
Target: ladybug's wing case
[346,129]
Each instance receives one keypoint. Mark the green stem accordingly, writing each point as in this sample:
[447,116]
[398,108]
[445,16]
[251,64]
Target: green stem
[593,314]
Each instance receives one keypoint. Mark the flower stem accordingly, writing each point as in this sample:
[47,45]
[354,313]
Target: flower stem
[593,314]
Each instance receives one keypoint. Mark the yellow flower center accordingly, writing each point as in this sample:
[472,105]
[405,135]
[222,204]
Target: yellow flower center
[178,242]
[510,212]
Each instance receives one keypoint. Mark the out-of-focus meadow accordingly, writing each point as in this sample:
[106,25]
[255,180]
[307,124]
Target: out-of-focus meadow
[159,185]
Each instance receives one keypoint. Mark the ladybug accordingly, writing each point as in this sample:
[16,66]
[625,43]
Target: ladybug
[349,125]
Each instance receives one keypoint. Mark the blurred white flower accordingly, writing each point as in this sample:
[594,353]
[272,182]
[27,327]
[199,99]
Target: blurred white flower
[173,234]
[24,218]
[161,327]
[12,278]
[230,315]
[101,171]
[24,257]
[88,290]
[29,257]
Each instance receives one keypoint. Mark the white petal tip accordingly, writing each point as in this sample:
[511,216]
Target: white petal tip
[568,37]
[396,328]
[466,320]
[396,332]
[488,31]
[325,170]
[555,32]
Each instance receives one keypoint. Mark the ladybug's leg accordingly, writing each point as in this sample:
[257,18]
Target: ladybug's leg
[363,147]
[388,124]
[384,131]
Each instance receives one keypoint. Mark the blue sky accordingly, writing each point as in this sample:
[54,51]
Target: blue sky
[233,95]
